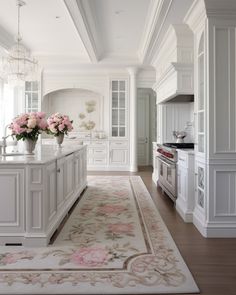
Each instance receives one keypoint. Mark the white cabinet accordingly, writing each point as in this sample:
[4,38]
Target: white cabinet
[51,178]
[119,154]
[35,197]
[69,175]
[185,184]
[119,108]
[97,155]
[154,163]
[61,182]
[12,200]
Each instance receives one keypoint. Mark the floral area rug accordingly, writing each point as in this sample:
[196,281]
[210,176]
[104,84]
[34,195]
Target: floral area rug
[114,242]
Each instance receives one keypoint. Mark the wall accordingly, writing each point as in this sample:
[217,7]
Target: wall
[73,103]
[174,117]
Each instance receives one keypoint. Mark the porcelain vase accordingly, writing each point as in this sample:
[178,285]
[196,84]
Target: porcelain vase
[29,146]
[59,139]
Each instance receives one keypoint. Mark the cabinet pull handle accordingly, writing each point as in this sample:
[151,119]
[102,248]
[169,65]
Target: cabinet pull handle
[181,159]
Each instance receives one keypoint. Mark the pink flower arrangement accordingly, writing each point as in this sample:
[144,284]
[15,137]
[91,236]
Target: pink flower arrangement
[59,124]
[91,256]
[28,125]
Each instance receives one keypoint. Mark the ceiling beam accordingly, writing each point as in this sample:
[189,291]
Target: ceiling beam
[79,15]
[156,17]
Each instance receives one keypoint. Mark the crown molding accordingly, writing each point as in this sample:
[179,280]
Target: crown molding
[79,12]
[158,11]
[196,15]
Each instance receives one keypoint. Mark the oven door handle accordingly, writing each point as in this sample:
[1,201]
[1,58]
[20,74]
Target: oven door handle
[166,163]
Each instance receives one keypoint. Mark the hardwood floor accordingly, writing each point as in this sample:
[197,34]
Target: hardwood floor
[212,262]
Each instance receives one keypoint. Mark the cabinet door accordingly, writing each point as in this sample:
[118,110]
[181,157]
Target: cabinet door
[118,156]
[200,185]
[51,191]
[182,183]
[78,164]
[69,175]
[11,200]
[119,108]
[60,183]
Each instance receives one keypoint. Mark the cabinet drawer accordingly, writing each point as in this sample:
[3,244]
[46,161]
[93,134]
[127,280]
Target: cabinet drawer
[102,161]
[98,143]
[121,144]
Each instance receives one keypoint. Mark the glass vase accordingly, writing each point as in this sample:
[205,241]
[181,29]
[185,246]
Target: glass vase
[29,146]
[59,139]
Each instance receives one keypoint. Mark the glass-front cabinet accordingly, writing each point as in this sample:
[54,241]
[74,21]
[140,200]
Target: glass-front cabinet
[201,99]
[118,108]
[119,143]
[200,171]
[32,101]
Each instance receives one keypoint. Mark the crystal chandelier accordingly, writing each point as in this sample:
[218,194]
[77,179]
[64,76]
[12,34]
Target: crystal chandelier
[18,65]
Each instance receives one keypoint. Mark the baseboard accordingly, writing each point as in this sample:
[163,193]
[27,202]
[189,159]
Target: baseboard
[186,216]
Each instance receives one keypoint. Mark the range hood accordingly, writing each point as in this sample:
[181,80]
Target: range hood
[174,66]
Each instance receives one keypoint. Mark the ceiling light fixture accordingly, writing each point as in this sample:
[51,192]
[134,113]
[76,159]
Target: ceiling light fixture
[18,65]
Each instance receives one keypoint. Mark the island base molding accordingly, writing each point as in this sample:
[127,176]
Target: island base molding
[215,230]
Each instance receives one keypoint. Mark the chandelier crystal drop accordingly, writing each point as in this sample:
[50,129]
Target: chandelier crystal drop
[18,65]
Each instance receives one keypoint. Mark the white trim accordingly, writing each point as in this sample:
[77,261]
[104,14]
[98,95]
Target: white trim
[78,15]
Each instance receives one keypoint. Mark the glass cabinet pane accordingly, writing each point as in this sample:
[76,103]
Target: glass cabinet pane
[201,143]
[200,198]
[114,117]
[122,85]
[118,108]
[114,85]
[122,118]
[114,131]
[201,177]
[201,122]
[115,99]
[122,132]
[122,99]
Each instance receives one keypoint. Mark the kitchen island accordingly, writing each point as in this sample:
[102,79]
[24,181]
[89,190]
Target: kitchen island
[37,191]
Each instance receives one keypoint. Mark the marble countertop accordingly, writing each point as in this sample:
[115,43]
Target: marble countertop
[42,154]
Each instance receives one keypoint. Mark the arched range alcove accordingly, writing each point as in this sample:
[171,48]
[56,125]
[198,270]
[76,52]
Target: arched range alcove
[83,106]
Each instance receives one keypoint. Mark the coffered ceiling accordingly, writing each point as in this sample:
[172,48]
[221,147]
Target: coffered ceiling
[91,31]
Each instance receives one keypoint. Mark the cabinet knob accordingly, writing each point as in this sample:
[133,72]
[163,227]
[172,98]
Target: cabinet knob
[58,170]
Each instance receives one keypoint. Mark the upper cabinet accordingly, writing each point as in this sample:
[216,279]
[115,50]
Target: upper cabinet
[32,101]
[174,65]
[200,101]
[119,108]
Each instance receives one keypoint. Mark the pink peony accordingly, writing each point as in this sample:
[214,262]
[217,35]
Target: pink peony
[91,257]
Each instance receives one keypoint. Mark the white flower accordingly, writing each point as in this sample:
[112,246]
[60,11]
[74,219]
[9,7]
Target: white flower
[31,123]
[53,129]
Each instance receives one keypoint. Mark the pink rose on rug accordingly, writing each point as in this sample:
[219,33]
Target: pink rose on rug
[121,228]
[109,209]
[91,257]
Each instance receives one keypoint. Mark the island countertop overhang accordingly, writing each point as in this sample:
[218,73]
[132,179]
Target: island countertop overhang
[43,154]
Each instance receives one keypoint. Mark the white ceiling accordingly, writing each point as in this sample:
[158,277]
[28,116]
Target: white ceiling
[120,25]
[43,33]
[90,31]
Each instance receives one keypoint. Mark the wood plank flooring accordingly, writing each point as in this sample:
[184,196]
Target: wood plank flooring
[212,262]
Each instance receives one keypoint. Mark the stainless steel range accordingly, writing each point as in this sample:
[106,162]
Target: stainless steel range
[167,158]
